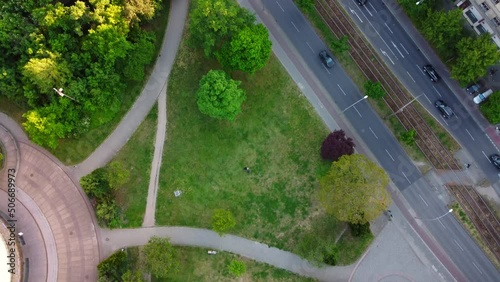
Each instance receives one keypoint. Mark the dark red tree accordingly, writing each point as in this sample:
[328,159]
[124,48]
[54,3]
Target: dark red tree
[335,145]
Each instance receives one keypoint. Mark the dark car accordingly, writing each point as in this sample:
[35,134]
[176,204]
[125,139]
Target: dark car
[495,160]
[361,2]
[326,59]
[446,111]
[431,72]
[473,88]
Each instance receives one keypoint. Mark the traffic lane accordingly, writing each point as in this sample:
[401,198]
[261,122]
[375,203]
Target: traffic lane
[344,93]
[460,246]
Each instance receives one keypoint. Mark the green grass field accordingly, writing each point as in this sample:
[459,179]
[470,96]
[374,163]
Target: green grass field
[278,136]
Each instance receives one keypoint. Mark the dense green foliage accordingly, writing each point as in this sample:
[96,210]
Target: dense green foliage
[354,190]
[248,50]
[491,108]
[374,90]
[219,96]
[237,267]
[340,45]
[222,221]
[408,137]
[475,55]
[112,268]
[160,257]
[88,48]
[444,30]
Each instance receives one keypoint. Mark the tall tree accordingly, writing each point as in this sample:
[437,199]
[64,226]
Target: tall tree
[491,108]
[212,22]
[354,190]
[160,257]
[248,50]
[219,96]
[43,130]
[475,55]
[46,73]
[335,145]
[444,29]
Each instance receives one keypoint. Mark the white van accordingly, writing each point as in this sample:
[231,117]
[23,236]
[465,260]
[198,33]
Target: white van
[481,97]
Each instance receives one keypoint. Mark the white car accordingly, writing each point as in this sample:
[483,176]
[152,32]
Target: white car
[481,97]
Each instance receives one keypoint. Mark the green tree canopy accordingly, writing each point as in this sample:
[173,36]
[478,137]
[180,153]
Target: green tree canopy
[43,130]
[219,96]
[491,108]
[475,55]
[248,50]
[237,267]
[160,257]
[212,22]
[374,90]
[444,29]
[222,221]
[354,190]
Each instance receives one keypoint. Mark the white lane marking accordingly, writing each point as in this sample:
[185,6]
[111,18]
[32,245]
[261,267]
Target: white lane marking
[456,116]
[418,67]
[326,69]
[494,145]
[387,55]
[295,26]
[310,47]
[356,14]
[442,224]
[389,155]
[394,44]
[389,28]
[359,8]
[341,89]
[428,99]
[411,76]
[373,132]
[404,48]
[358,112]
[477,268]
[458,245]
[280,6]
[423,200]
[382,38]
[444,120]
[437,91]
[373,7]
[470,135]
[486,156]
[406,177]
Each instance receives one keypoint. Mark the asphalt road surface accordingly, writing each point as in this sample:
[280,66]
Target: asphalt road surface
[471,261]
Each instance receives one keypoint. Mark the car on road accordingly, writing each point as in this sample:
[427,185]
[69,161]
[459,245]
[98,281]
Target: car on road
[361,2]
[326,59]
[446,111]
[495,160]
[483,96]
[431,72]
[473,88]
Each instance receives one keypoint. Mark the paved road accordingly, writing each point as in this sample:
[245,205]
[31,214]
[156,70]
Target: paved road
[416,189]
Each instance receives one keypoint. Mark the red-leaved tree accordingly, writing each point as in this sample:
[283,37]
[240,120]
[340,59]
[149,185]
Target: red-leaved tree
[335,145]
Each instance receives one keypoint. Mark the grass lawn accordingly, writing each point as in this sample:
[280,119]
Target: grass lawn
[278,136]
[136,156]
[75,150]
[197,265]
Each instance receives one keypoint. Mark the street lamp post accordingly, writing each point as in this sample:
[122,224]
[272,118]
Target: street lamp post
[403,107]
[437,218]
[60,92]
[419,2]
[355,103]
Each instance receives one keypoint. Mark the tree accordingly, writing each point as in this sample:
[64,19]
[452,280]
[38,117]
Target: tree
[95,184]
[491,108]
[212,22]
[135,9]
[107,212]
[248,50]
[222,221]
[160,257]
[444,29]
[408,137]
[340,45]
[112,268]
[237,267]
[46,72]
[374,89]
[117,174]
[354,190]
[43,130]
[130,276]
[335,145]
[219,95]
[474,57]
[139,56]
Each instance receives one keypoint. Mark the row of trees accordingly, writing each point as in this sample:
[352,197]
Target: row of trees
[470,55]
[88,48]
[228,33]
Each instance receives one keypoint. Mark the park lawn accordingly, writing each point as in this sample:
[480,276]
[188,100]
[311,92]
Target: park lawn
[136,156]
[278,135]
[75,150]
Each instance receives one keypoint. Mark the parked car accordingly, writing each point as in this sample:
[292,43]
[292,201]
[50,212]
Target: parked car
[473,88]
[362,2]
[495,160]
[326,59]
[446,111]
[481,97]
[431,72]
